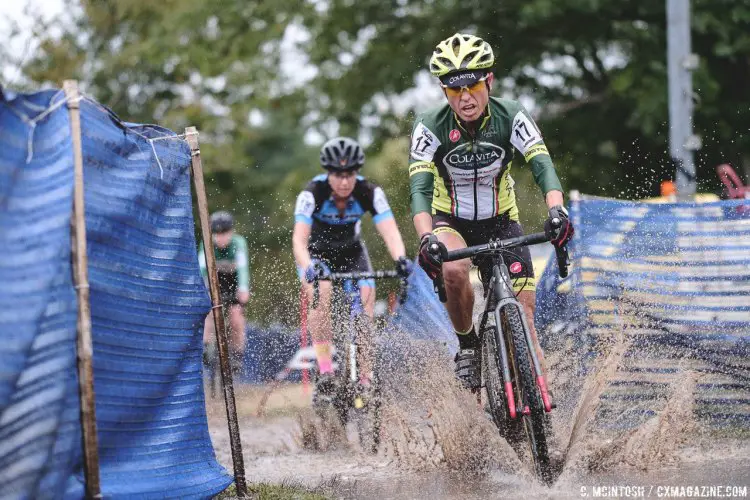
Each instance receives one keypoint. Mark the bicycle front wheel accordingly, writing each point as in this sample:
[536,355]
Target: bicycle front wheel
[492,377]
[527,394]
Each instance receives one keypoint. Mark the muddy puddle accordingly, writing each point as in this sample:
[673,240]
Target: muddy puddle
[438,443]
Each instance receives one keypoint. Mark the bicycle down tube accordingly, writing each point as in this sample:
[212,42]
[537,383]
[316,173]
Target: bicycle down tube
[505,299]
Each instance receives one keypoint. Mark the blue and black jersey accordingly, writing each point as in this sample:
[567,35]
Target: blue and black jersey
[333,229]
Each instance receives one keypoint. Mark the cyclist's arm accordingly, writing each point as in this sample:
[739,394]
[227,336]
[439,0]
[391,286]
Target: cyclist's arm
[422,223]
[385,223]
[527,139]
[300,238]
[554,198]
[242,265]
[303,212]
[422,176]
[392,237]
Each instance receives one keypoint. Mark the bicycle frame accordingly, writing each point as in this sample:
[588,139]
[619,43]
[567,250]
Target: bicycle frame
[500,286]
[352,300]
[353,303]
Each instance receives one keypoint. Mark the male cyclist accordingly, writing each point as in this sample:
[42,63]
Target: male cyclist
[461,190]
[233,270]
[326,239]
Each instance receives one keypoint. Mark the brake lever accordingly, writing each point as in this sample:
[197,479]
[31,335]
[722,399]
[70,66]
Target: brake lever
[563,261]
[437,283]
[563,258]
[439,287]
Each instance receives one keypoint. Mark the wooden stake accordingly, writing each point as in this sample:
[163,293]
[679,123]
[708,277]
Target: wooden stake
[81,280]
[191,134]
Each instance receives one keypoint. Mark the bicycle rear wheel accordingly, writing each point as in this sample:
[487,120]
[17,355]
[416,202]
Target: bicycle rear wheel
[527,394]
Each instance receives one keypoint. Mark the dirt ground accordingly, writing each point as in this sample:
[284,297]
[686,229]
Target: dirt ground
[445,447]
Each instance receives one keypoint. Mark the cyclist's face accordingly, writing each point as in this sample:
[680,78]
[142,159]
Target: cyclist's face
[342,183]
[222,240]
[469,102]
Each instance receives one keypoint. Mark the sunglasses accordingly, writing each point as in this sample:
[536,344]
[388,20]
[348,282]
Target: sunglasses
[471,89]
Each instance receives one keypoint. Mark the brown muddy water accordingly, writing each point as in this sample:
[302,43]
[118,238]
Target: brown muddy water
[437,443]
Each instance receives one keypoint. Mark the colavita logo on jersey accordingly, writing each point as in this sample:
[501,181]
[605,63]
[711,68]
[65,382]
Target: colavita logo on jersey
[482,155]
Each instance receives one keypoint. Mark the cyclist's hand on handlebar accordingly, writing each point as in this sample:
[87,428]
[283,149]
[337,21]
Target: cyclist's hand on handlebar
[404,267]
[317,270]
[558,227]
[431,255]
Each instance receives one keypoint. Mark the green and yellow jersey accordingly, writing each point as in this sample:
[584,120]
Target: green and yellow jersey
[468,176]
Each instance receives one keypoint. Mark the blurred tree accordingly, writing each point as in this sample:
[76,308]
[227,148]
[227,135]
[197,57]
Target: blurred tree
[595,68]
[256,78]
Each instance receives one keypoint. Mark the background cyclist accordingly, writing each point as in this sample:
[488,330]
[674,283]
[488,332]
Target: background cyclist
[233,269]
[327,239]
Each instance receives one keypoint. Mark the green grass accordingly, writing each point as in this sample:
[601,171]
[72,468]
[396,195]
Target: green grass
[284,491]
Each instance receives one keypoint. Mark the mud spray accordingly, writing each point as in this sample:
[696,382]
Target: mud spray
[438,443]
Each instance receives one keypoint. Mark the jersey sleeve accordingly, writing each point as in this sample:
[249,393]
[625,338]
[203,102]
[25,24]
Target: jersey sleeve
[381,210]
[305,207]
[242,264]
[424,144]
[527,139]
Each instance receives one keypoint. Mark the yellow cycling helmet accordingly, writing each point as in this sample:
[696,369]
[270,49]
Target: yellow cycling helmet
[461,53]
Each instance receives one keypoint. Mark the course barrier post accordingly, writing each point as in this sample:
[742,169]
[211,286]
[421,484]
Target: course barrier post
[222,342]
[84,346]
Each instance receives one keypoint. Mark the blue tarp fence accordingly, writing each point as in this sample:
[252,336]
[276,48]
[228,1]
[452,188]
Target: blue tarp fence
[148,303]
[422,316]
[673,279]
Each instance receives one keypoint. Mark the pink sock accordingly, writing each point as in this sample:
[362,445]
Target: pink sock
[323,354]
[325,366]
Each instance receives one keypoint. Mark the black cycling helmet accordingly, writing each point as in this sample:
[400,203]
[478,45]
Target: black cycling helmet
[341,154]
[221,222]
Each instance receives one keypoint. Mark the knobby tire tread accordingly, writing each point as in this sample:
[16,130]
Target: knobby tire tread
[534,424]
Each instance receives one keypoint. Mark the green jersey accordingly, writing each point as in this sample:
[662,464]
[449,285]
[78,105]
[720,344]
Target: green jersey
[468,175]
[231,264]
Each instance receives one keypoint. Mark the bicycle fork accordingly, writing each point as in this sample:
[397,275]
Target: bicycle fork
[503,351]
[541,382]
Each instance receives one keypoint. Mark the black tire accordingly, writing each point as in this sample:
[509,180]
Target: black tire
[527,394]
[368,422]
[493,379]
[369,417]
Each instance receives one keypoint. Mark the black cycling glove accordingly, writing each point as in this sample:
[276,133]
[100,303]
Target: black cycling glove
[430,255]
[558,227]
[404,267]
